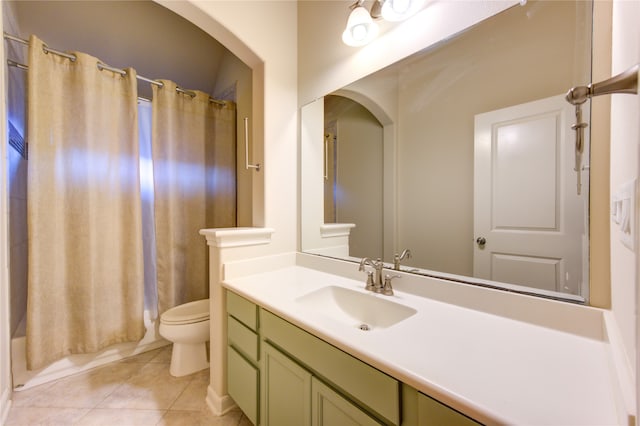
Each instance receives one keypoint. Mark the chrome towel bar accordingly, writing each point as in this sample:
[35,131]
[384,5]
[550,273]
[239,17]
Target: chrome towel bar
[625,82]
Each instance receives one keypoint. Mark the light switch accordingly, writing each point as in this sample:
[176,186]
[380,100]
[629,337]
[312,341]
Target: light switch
[623,213]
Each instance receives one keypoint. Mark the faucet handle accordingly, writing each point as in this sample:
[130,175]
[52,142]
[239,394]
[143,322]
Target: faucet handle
[398,257]
[371,286]
[387,289]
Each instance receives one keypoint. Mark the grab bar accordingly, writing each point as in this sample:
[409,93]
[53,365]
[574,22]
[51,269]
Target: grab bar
[625,82]
[326,156]
[246,147]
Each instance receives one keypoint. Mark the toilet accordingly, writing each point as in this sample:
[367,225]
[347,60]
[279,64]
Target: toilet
[187,326]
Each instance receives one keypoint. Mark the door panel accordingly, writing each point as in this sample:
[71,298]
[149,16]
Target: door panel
[542,273]
[525,154]
[529,222]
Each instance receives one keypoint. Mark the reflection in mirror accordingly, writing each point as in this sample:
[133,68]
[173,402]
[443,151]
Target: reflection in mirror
[353,182]
[473,170]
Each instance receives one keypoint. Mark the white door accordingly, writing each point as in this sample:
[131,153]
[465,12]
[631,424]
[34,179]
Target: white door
[527,210]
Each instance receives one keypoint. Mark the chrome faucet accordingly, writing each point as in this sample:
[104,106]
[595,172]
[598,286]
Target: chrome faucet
[378,266]
[397,258]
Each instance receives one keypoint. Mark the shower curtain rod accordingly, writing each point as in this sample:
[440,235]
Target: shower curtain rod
[101,67]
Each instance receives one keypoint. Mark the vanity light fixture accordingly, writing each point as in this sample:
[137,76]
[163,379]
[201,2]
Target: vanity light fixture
[399,10]
[360,28]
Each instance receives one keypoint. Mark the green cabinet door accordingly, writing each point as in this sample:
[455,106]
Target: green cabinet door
[286,390]
[434,413]
[243,384]
[328,408]
[420,410]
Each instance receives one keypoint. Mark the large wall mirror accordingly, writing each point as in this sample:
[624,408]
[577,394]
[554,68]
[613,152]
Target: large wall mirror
[464,154]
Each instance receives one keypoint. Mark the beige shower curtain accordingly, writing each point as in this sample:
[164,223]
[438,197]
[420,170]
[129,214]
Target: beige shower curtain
[194,168]
[85,280]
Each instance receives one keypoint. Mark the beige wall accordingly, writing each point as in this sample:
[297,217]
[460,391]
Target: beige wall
[438,100]
[625,141]
[266,40]
[359,179]
[433,106]
[326,64]
[232,71]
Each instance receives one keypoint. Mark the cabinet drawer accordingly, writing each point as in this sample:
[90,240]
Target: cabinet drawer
[241,309]
[373,389]
[242,384]
[242,339]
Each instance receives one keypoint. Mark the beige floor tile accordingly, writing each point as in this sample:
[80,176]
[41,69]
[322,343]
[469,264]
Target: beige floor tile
[199,418]
[144,357]
[120,417]
[193,398]
[151,388]
[32,416]
[244,421]
[83,390]
[137,393]
[203,375]
[24,398]
[163,356]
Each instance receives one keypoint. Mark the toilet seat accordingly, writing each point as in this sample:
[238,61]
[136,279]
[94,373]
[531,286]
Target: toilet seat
[187,313]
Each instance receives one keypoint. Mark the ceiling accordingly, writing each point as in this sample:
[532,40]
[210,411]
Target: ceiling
[141,34]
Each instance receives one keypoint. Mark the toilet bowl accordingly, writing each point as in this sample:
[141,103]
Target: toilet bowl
[187,326]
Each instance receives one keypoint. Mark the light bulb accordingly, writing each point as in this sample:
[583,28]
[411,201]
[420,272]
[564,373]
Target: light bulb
[359,32]
[400,6]
[360,28]
[398,10]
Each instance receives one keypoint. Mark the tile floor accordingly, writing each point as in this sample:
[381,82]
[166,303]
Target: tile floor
[138,391]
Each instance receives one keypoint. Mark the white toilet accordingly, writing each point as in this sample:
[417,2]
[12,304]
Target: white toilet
[187,326]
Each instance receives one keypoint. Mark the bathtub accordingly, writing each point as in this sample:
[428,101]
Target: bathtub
[72,364]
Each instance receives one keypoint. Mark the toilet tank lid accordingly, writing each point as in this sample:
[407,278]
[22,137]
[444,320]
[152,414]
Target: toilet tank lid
[192,311]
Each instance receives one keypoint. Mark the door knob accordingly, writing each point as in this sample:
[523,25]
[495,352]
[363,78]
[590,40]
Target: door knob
[481,242]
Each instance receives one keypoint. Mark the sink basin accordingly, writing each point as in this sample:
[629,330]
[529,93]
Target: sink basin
[366,311]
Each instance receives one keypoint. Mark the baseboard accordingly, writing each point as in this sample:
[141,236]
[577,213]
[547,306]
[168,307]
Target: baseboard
[5,406]
[219,405]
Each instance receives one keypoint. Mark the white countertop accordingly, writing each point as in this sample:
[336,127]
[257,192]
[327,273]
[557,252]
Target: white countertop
[496,369]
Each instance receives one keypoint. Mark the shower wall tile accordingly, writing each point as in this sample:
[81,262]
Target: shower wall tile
[18,284]
[17,174]
[17,237]
[17,221]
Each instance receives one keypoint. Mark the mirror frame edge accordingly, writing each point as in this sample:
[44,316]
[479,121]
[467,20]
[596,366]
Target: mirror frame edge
[600,242]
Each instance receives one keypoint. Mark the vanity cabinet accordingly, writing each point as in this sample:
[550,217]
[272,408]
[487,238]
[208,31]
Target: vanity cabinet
[280,375]
[286,390]
[370,390]
[419,409]
[329,408]
[243,352]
